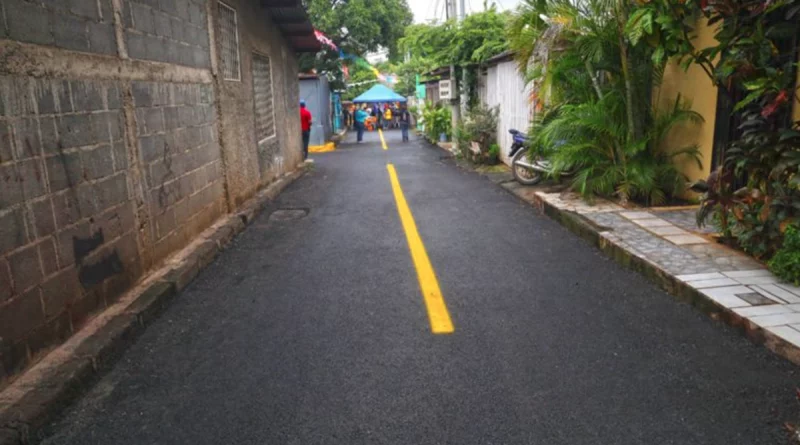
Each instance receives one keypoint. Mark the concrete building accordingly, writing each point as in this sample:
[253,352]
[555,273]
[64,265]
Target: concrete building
[127,127]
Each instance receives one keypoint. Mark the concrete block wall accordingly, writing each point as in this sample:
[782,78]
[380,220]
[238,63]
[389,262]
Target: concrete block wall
[184,183]
[172,31]
[67,229]
[113,155]
[69,24]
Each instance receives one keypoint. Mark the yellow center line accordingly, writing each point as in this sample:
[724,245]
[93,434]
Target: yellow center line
[434,301]
[383,142]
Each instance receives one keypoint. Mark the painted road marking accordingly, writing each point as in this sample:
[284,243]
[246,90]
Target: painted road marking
[434,301]
[383,142]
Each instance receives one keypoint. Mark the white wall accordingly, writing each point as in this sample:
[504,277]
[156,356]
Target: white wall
[506,89]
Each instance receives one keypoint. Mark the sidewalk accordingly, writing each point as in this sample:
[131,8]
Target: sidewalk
[667,246]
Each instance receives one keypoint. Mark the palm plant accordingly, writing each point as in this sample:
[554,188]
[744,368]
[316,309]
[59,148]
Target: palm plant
[601,122]
[591,138]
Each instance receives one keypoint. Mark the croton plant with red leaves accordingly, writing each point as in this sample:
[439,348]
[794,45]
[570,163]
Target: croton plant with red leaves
[754,61]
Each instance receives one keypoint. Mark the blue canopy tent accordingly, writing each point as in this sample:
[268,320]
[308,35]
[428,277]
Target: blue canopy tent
[379,93]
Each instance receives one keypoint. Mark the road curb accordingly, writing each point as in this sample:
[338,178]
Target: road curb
[38,395]
[682,291]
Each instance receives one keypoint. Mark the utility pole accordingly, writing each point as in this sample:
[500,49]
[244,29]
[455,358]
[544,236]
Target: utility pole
[462,14]
[455,111]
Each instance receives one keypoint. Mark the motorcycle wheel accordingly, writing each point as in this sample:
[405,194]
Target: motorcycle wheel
[522,174]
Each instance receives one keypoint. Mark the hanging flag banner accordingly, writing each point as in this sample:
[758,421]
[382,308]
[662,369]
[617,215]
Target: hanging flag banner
[323,39]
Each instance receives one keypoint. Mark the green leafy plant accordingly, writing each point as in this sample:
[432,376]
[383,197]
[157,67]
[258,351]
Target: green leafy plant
[493,155]
[593,84]
[591,140]
[786,262]
[477,38]
[437,120]
[481,124]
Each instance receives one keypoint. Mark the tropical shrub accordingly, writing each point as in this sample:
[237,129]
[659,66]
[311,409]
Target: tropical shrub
[751,63]
[786,262]
[481,125]
[594,85]
[437,120]
[478,127]
[493,155]
[591,141]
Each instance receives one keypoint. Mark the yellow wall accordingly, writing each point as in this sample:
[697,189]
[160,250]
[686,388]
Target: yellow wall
[796,113]
[696,87]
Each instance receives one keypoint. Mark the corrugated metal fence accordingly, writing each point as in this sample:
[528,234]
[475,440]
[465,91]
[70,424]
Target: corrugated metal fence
[506,89]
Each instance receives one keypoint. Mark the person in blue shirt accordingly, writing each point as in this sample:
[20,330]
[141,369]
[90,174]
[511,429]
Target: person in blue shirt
[360,117]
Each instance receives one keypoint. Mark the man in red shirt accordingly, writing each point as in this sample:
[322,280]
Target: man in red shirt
[305,125]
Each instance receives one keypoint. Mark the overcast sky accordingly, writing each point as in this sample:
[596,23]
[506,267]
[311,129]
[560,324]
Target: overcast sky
[425,10]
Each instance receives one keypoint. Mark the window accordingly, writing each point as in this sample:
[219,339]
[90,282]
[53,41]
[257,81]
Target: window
[262,97]
[229,42]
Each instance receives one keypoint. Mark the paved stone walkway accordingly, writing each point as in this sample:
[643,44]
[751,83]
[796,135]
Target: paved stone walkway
[670,241]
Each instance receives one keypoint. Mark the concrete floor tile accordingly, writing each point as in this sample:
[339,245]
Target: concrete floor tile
[787,333]
[685,239]
[719,282]
[766,321]
[749,273]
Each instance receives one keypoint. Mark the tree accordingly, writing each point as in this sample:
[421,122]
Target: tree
[357,27]
[479,37]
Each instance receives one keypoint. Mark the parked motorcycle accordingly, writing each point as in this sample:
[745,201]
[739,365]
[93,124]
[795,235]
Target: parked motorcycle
[527,170]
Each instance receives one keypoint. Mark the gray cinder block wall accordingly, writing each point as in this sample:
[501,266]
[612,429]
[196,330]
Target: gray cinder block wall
[119,143]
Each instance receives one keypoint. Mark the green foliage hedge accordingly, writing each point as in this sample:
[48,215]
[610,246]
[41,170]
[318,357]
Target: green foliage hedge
[786,263]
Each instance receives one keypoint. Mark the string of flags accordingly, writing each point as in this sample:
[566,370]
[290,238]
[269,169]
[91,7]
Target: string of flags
[325,40]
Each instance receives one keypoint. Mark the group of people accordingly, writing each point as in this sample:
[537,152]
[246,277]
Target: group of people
[388,116]
[391,116]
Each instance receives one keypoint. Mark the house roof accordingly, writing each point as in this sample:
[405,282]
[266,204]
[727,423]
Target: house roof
[291,18]
[502,57]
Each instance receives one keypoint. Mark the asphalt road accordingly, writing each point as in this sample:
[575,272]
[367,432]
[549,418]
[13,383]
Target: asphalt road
[314,331]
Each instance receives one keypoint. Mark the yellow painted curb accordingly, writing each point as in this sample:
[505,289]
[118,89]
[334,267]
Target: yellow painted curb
[330,146]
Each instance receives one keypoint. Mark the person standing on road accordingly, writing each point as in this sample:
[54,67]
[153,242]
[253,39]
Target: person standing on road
[360,117]
[404,118]
[305,125]
[387,118]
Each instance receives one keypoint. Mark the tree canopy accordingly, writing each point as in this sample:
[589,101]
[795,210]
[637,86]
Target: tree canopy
[480,36]
[358,27]
[428,46]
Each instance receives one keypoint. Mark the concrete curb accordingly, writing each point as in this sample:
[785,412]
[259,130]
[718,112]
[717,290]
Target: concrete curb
[39,394]
[666,281]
